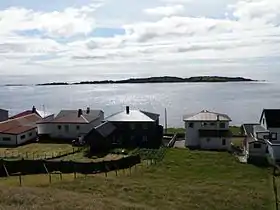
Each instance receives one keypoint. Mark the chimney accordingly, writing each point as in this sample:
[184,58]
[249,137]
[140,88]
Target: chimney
[33,109]
[127,109]
[88,110]
[80,112]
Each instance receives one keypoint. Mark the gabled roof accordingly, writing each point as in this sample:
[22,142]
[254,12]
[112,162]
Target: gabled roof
[105,129]
[133,116]
[71,116]
[42,114]
[272,117]
[207,116]
[249,128]
[19,125]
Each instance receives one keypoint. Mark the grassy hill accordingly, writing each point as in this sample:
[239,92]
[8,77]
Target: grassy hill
[183,180]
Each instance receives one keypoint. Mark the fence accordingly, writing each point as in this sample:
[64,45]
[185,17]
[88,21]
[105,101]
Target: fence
[24,167]
[16,155]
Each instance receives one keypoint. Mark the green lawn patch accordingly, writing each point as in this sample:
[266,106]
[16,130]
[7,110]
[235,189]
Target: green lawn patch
[184,179]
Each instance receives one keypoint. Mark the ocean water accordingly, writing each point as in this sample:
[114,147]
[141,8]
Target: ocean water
[243,102]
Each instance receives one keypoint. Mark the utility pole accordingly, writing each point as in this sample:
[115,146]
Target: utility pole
[165,115]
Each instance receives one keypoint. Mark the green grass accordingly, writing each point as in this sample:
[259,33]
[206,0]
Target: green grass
[175,130]
[238,142]
[35,150]
[235,130]
[183,180]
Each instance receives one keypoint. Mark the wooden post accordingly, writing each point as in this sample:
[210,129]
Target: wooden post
[60,176]
[20,179]
[75,174]
[130,171]
[7,173]
[50,178]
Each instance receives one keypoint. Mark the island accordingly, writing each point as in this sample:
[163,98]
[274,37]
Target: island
[164,79]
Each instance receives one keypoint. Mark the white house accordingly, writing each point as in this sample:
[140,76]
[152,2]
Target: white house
[70,124]
[263,139]
[208,130]
[19,130]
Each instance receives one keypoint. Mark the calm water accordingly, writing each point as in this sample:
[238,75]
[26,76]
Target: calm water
[242,101]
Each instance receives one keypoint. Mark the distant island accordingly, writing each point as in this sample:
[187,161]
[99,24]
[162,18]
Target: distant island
[164,79]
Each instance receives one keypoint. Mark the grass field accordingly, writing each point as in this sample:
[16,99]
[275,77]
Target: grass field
[183,180]
[35,150]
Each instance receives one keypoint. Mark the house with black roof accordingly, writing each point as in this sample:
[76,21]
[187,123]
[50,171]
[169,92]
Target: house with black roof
[127,129]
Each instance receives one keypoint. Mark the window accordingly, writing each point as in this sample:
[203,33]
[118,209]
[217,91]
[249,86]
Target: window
[66,128]
[257,146]
[6,139]
[22,137]
[190,125]
[223,142]
[30,134]
[132,126]
[204,124]
[145,126]
[59,127]
[222,125]
[78,127]
[208,140]
[263,121]
[145,138]
[212,124]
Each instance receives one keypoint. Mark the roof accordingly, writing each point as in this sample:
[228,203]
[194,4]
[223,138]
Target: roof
[42,114]
[205,115]
[258,128]
[105,129]
[272,117]
[19,125]
[3,110]
[133,116]
[249,128]
[71,116]
[215,133]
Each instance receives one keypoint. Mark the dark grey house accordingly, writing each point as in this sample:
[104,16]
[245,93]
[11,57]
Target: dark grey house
[128,129]
[4,115]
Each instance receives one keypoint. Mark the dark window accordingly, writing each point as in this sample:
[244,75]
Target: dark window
[6,139]
[190,125]
[22,137]
[145,138]
[132,126]
[257,146]
[224,142]
[78,127]
[208,140]
[145,126]
[203,124]
[222,125]
[59,127]
[30,134]
[66,128]
[212,124]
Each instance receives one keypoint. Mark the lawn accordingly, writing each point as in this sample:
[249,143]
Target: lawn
[183,180]
[35,150]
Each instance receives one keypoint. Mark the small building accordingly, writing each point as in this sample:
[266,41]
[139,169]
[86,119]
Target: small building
[128,129]
[208,130]
[4,115]
[19,130]
[70,124]
[262,139]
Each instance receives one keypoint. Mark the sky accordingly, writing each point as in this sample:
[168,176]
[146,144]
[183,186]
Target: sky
[133,37]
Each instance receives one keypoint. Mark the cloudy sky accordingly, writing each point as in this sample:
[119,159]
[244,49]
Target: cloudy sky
[139,37]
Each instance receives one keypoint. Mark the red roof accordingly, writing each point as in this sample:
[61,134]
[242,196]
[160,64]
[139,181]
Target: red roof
[22,114]
[19,125]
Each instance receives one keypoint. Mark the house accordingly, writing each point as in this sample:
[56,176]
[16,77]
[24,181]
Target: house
[19,130]
[131,129]
[4,115]
[101,138]
[262,139]
[208,130]
[255,146]
[70,124]
[41,114]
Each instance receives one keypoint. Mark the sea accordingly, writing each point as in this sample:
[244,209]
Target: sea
[242,101]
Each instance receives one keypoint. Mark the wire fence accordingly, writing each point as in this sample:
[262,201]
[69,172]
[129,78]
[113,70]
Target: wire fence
[17,155]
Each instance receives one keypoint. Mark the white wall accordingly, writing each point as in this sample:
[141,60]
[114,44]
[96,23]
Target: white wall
[192,134]
[263,122]
[259,152]
[11,142]
[16,139]
[215,143]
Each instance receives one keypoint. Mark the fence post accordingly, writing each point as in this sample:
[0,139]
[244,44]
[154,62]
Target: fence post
[20,184]
[130,170]
[60,176]
[50,178]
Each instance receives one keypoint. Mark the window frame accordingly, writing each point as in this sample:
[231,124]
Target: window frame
[222,123]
